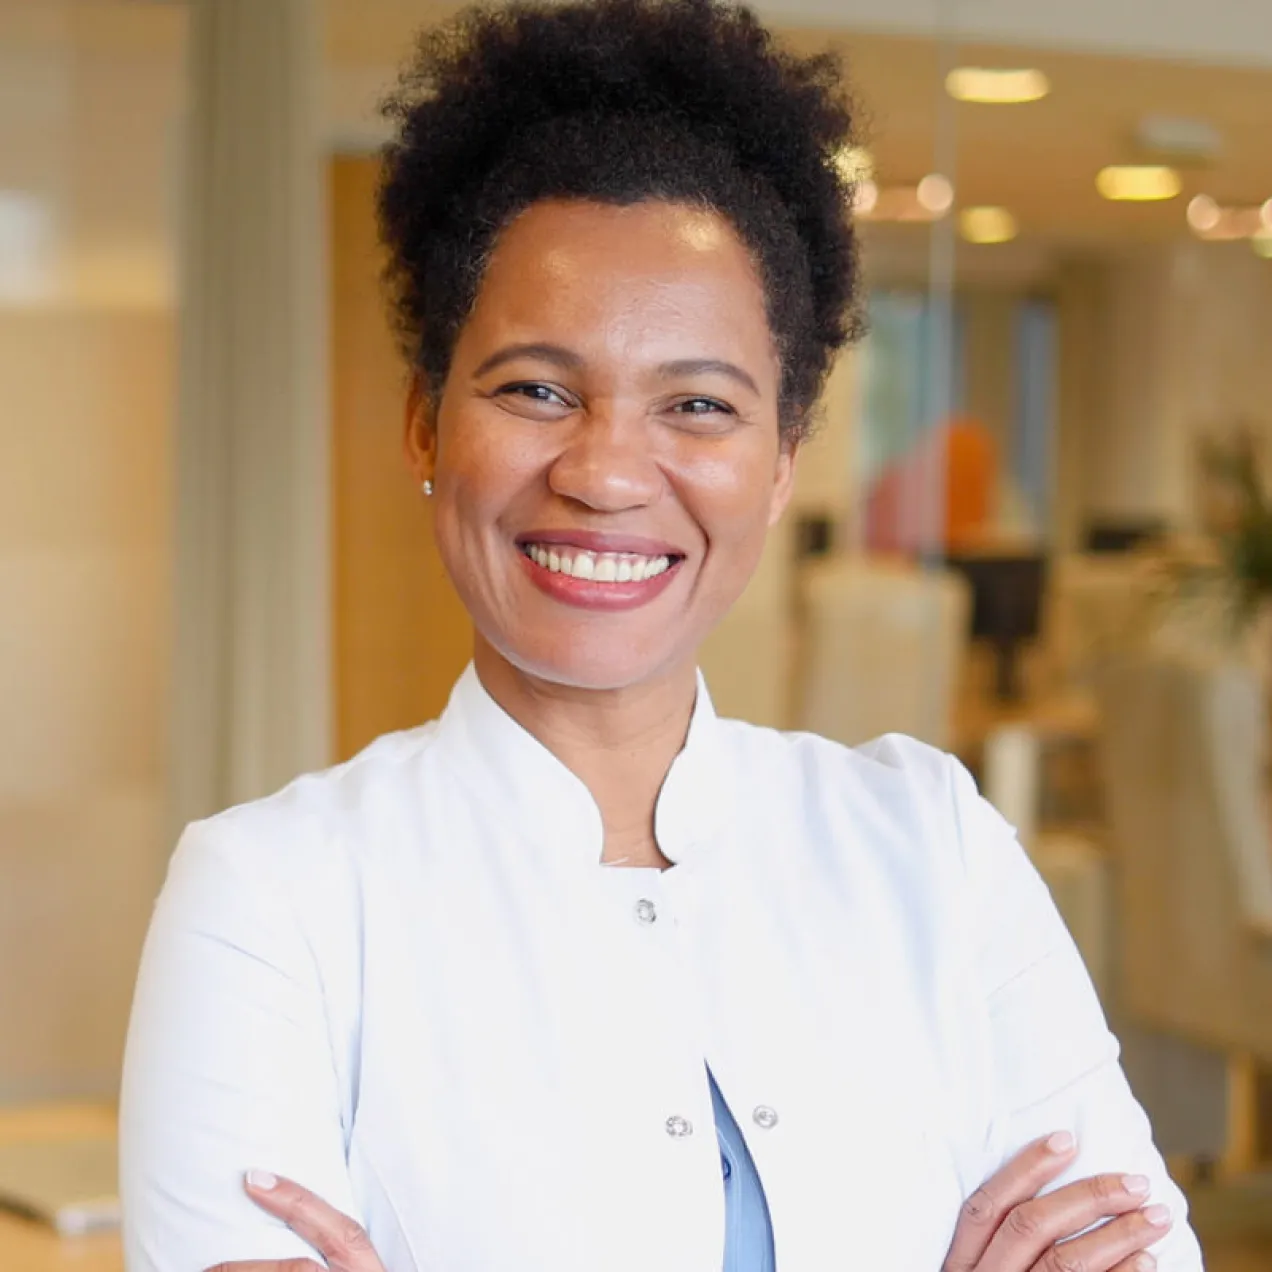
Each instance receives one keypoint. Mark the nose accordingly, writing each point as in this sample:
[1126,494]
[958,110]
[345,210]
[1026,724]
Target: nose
[608,464]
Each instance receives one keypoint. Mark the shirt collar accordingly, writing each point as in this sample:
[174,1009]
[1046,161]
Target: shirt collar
[529,788]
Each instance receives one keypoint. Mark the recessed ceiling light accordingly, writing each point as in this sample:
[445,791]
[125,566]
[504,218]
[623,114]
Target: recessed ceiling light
[855,164]
[935,193]
[997,86]
[987,225]
[899,203]
[1138,183]
[1204,214]
[1212,220]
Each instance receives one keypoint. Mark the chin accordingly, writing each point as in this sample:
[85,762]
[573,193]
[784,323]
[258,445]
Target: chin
[595,660]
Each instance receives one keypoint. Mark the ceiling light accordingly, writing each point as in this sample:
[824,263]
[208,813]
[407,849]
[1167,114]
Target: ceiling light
[1138,183]
[854,164]
[1217,223]
[901,203]
[996,86]
[935,193]
[1204,214]
[987,225]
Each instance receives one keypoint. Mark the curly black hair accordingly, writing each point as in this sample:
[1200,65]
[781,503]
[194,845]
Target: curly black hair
[620,101]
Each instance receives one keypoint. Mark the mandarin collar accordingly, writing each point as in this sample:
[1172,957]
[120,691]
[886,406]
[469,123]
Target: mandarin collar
[526,786]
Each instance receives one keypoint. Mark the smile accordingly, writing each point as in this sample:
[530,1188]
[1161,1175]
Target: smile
[597,567]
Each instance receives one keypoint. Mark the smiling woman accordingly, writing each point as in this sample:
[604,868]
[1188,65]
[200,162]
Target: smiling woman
[404,1006]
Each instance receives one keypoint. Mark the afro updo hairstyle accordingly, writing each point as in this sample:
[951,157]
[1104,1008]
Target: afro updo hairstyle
[620,101]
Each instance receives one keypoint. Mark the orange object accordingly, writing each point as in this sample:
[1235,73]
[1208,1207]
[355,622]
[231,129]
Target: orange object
[899,505]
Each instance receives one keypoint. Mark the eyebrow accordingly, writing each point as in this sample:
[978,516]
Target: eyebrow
[707,366]
[557,354]
[571,361]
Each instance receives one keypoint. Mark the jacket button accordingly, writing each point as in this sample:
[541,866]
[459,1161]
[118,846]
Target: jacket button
[765,1117]
[646,911]
[678,1127]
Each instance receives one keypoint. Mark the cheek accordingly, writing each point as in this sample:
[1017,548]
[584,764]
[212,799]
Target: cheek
[735,493]
[482,465]
[732,502]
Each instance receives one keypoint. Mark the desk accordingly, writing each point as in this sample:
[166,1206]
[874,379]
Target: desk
[30,1247]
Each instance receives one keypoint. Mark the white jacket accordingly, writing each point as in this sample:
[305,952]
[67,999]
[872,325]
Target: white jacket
[408,984]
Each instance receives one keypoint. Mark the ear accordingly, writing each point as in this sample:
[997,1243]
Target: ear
[419,436]
[783,481]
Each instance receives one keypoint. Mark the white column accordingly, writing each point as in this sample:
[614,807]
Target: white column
[1182,350]
[251,686]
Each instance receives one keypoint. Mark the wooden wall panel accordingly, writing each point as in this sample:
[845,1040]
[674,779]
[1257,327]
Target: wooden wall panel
[400,635]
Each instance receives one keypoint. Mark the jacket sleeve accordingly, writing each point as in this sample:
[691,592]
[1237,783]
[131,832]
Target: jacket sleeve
[228,1066]
[1054,1061]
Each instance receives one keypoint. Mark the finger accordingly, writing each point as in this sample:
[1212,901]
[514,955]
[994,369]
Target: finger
[1142,1262]
[1021,1178]
[1030,1229]
[340,1240]
[1116,1244]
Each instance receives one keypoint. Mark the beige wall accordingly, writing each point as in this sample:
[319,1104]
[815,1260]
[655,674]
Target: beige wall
[84,408]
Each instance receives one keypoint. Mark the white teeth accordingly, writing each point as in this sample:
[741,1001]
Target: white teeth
[607,567]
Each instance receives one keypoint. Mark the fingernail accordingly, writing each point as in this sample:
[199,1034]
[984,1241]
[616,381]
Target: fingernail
[1060,1142]
[1144,1262]
[262,1180]
[1136,1185]
[1158,1216]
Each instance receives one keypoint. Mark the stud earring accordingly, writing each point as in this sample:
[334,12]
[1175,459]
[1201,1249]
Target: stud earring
[427,487]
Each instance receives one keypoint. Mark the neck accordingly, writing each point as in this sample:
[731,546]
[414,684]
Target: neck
[619,742]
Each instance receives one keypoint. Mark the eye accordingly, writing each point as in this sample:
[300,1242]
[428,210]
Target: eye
[703,406]
[533,391]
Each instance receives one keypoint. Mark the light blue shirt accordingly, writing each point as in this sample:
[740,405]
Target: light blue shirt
[748,1230]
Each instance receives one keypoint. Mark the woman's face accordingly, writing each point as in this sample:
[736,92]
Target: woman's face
[605,453]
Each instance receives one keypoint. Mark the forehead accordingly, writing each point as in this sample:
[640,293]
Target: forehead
[654,272]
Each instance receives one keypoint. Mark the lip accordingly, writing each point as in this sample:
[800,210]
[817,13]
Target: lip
[600,541]
[590,595]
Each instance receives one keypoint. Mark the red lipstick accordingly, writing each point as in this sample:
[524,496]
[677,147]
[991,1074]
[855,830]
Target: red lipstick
[594,594]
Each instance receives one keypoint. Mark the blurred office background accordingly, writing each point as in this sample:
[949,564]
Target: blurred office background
[1034,494]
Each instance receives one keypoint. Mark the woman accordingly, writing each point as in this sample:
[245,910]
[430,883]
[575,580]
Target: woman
[580,977]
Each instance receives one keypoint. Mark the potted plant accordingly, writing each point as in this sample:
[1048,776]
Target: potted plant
[1234,564]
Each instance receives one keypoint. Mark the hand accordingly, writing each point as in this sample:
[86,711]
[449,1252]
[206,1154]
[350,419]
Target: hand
[1006,1227]
[342,1241]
